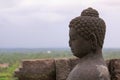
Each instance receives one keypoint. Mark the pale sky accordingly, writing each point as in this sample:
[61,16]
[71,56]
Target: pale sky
[44,23]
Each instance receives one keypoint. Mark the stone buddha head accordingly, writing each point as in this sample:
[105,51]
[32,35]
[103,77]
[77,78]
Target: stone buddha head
[86,33]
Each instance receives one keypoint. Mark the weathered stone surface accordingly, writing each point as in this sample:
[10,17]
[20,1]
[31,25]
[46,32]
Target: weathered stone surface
[58,69]
[73,62]
[114,69]
[86,38]
[63,68]
[37,70]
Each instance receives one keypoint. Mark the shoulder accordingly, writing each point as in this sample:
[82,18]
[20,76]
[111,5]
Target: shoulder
[103,72]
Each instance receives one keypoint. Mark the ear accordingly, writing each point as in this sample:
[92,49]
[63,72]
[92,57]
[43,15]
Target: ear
[93,41]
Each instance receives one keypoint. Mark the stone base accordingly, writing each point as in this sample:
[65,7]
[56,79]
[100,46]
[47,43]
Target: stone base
[43,69]
[57,69]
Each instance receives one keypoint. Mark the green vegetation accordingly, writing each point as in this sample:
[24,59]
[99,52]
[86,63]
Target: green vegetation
[14,59]
[7,73]
[111,54]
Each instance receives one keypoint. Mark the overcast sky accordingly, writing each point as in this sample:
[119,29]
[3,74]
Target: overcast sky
[44,23]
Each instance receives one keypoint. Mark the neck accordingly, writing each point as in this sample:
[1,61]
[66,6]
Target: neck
[93,56]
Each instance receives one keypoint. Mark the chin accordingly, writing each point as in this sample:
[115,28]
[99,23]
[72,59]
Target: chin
[78,55]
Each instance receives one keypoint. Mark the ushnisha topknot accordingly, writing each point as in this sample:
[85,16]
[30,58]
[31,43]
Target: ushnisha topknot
[89,23]
[90,12]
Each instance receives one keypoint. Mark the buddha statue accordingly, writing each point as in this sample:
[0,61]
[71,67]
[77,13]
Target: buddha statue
[87,33]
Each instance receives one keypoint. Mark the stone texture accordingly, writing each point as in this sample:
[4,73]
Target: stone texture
[73,62]
[36,70]
[57,69]
[63,68]
[86,38]
[114,69]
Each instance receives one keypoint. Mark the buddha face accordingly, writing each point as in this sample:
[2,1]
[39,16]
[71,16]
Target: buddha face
[79,46]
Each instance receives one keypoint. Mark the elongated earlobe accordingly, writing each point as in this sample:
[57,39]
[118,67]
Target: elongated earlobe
[93,41]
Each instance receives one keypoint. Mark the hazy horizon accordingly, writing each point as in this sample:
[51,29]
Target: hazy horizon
[51,48]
